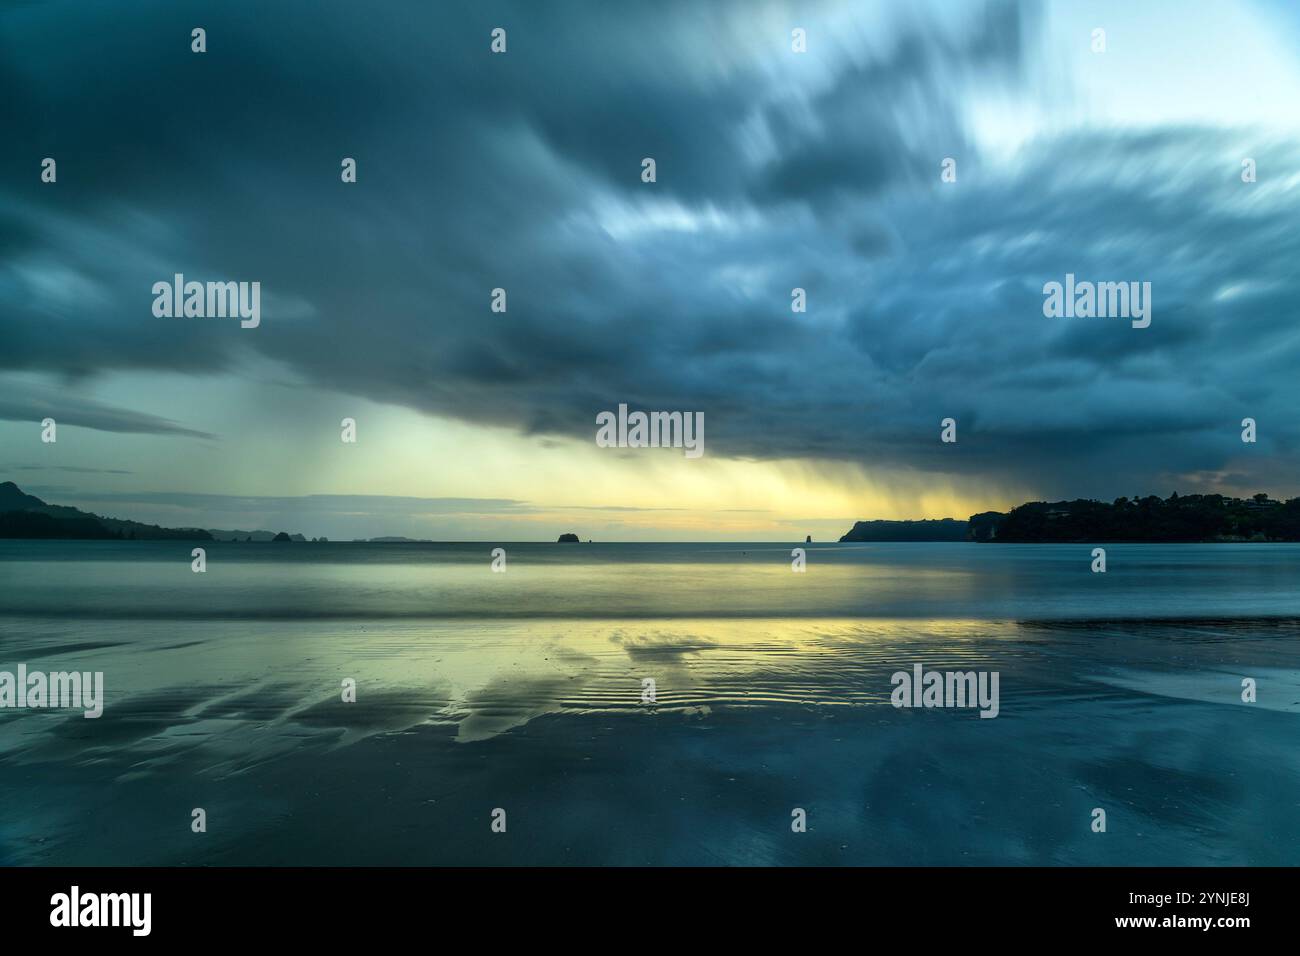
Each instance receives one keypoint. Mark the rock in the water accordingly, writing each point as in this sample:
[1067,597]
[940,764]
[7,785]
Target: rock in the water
[568,539]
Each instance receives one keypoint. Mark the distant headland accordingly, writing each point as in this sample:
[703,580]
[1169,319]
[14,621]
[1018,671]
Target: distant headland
[1178,518]
[26,516]
[942,529]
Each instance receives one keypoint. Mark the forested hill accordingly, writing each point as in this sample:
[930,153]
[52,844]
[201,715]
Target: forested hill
[26,516]
[1183,518]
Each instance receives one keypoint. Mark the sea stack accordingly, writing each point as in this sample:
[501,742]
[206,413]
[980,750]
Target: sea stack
[568,539]
[808,540]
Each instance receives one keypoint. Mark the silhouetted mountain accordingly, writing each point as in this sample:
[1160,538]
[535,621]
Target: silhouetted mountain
[12,498]
[37,524]
[26,516]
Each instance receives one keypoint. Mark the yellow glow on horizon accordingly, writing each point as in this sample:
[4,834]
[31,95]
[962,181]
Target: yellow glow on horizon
[663,490]
[277,440]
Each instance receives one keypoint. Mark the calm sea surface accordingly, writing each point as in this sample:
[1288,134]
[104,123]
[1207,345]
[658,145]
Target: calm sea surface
[523,691]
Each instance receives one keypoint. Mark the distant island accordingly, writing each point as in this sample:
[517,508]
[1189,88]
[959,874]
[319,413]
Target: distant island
[569,538]
[220,535]
[1178,518]
[26,516]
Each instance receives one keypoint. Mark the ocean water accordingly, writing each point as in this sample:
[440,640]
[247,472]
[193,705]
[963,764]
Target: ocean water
[523,691]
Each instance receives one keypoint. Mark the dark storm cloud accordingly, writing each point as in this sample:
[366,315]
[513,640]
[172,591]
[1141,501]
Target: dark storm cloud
[522,171]
[33,404]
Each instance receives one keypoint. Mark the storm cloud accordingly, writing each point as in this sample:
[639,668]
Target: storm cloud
[775,170]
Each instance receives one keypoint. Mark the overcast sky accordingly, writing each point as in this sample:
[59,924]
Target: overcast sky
[775,170]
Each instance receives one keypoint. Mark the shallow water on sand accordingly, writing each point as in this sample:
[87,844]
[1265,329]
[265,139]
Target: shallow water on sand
[523,690]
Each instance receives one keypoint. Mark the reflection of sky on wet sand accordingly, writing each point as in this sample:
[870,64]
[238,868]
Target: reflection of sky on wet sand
[753,716]
[482,678]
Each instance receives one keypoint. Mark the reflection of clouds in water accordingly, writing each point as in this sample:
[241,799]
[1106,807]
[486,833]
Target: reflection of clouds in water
[375,710]
[753,717]
[473,683]
[660,647]
[560,653]
[509,702]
